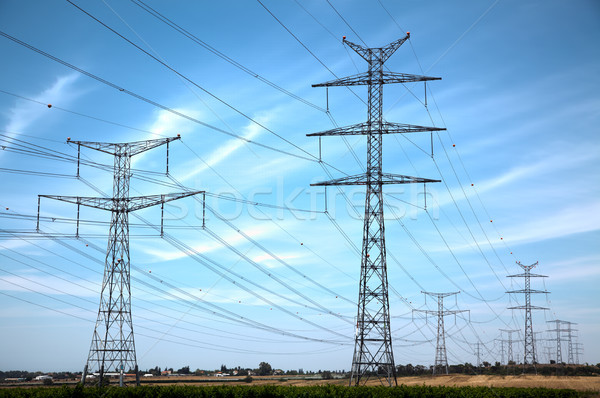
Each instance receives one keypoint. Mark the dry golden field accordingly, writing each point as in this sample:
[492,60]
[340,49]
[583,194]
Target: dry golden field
[580,383]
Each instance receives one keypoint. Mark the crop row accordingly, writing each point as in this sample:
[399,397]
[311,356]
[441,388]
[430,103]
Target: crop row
[273,391]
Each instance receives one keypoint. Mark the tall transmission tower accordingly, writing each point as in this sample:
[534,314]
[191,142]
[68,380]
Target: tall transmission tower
[373,354]
[441,359]
[113,346]
[529,342]
[510,341]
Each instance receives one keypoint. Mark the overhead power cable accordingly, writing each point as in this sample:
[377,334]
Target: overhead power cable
[151,102]
[191,81]
[305,47]
[220,54]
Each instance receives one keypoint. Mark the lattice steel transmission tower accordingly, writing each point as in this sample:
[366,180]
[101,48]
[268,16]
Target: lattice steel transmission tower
[558,331]
[113,346]
[529,341]
[570,357]
[510,340]
[569,336]
[373,354]
[441,359]
[578,351]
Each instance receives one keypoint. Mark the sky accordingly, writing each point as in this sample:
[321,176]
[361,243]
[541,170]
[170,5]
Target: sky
[518,162]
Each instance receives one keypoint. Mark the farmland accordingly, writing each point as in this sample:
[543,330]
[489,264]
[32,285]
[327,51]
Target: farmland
[275,386]
[276,391]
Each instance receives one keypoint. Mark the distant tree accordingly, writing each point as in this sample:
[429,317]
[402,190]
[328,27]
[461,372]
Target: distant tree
[264,369]
[223,368]
[184,371]
[326,375]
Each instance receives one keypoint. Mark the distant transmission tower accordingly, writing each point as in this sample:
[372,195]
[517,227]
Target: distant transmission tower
[441,359]
[113,347]
[529,354]
[548,352]
[570,357]
[510,340]
[569,335]
[558,331]
[578,351]
[502,351]
[373,354]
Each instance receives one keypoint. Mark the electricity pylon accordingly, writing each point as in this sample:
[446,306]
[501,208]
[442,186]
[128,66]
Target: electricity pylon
[569,331]
[558,331]
[578,351]
[478,354]
[570,358]
[113,346]
[502,351]
[509,341]
[529,354]
[373,354]
[441,359]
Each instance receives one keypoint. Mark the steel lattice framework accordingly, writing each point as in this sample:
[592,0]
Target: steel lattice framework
[510,345]
[373,354]
[569,331]
[529,342]
[113,345]
[441,358]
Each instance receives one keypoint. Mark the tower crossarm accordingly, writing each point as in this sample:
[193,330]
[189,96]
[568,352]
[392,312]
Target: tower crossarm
[527,267]
[381,53]
[366,128]
[528,291]
[366,78]
[446,294]
[442,313]
[121,149]
[527,275]
[141,202]
[363,179]
[130,204]
[524,307]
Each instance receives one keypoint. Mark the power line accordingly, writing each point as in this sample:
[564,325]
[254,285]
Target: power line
[149,101]
[220,54]
[191,81]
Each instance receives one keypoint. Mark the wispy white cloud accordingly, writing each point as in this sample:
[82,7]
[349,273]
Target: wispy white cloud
[48,285]
[251,131]
[261,231]
[551,164]
[24,114]
[567,221]
[272,262]
[168,124]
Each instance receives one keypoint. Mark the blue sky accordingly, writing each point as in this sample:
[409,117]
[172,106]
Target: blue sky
[518,96]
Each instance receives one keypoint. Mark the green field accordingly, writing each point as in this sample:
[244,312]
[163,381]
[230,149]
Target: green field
[272,391]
